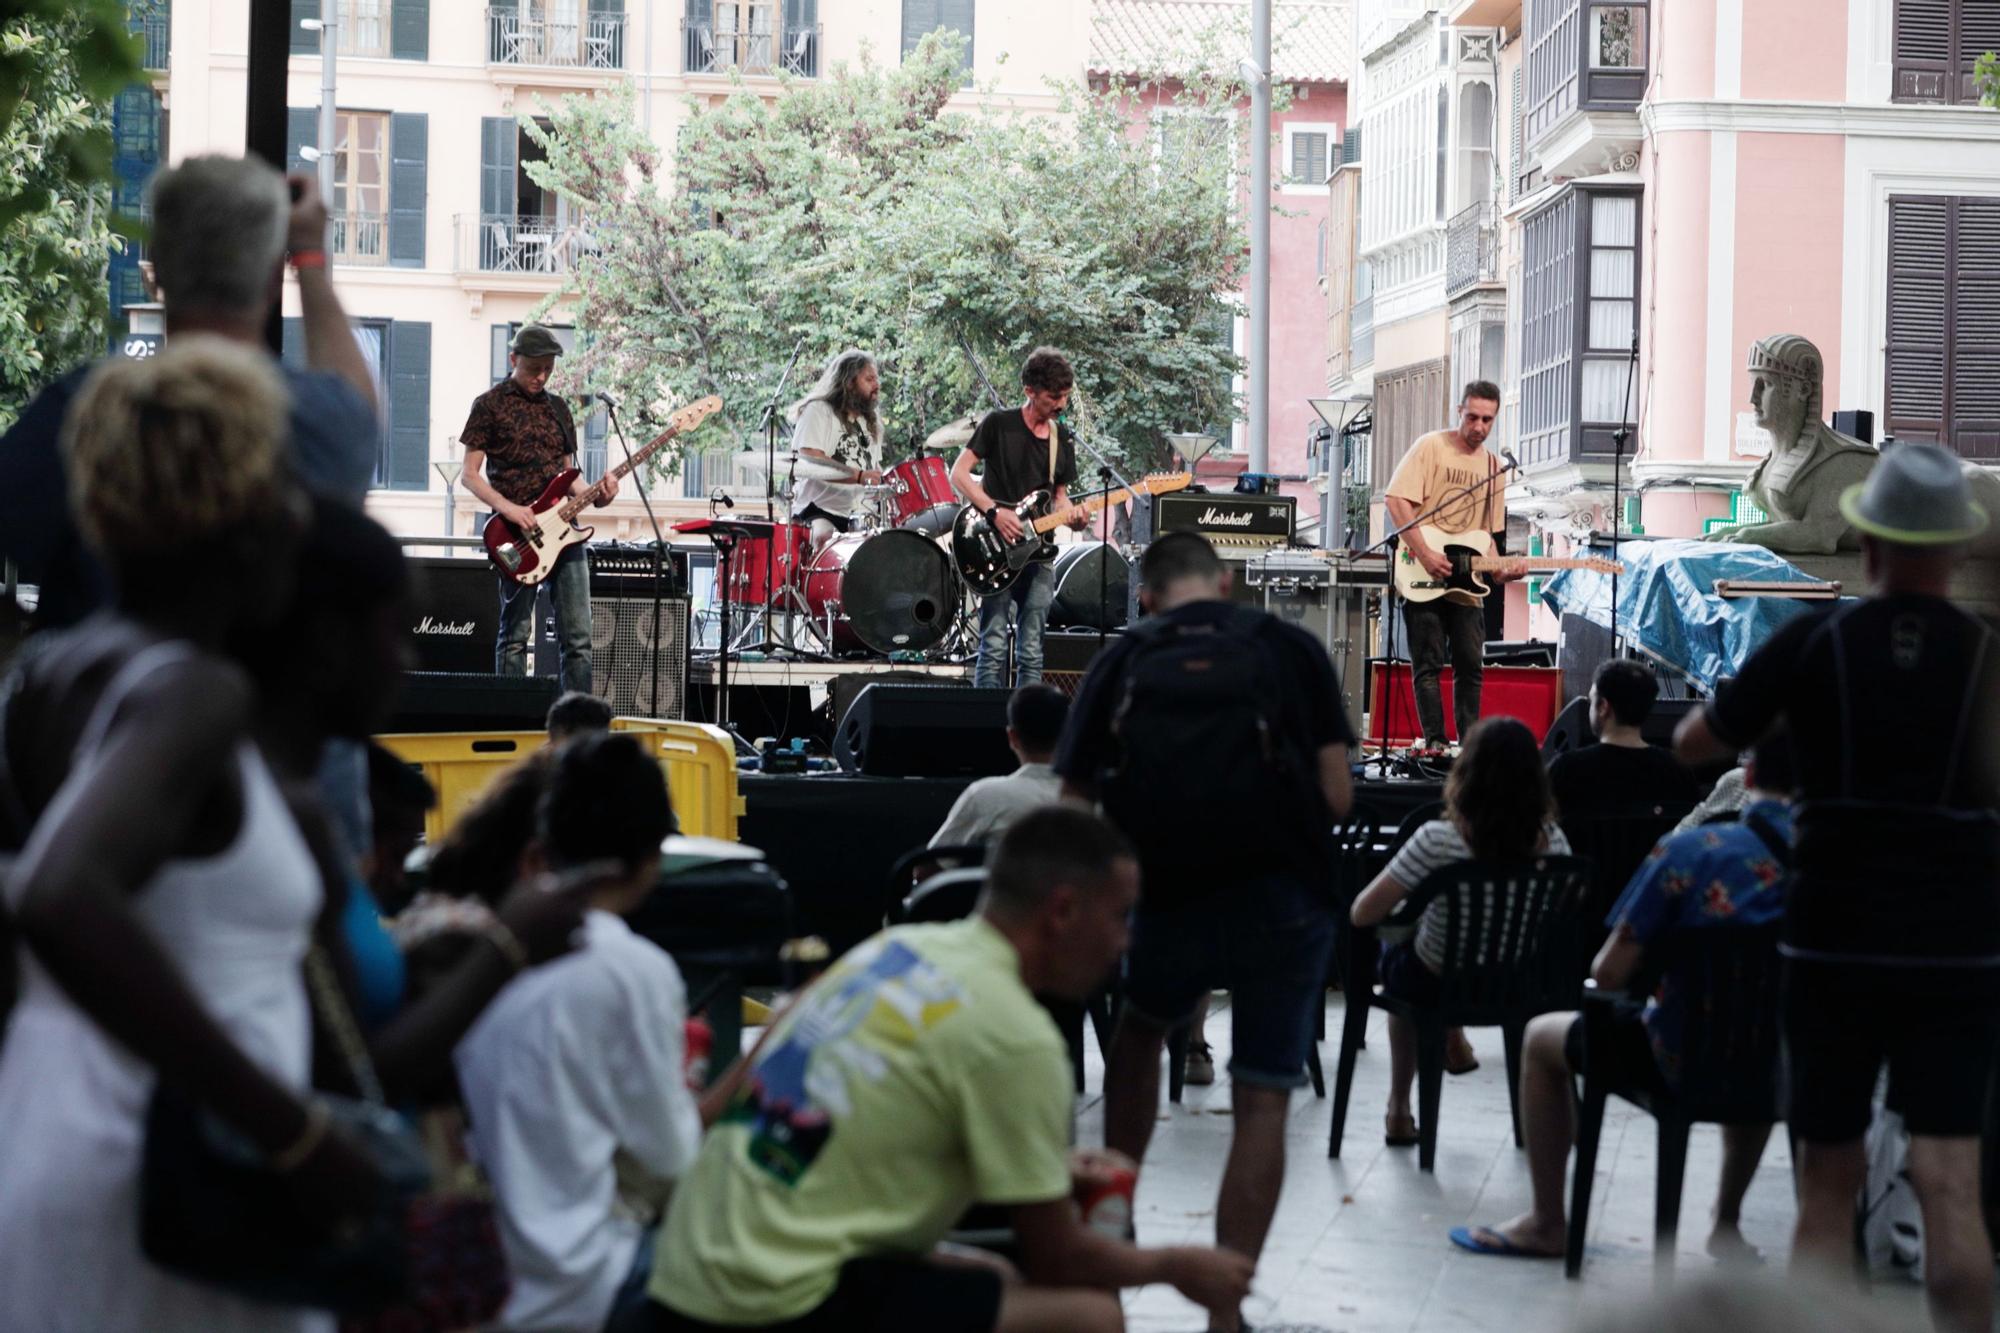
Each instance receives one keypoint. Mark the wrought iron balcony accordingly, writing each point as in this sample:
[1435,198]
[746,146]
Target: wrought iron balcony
[1470,250]
[152,22]
[765,48]
[519,243]
[538,37]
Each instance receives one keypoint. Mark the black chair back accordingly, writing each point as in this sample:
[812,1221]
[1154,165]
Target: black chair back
[1728,977]
[1413,821]
[902,875]
[949,895]
[1354,851]
[1509,934]
[1615,845]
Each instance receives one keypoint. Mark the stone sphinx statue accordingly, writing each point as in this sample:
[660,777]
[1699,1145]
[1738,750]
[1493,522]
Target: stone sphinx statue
[1799,485]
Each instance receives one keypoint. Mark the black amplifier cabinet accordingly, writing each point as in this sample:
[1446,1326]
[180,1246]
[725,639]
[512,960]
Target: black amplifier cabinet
[625,569]
[454,613]
[1249,519]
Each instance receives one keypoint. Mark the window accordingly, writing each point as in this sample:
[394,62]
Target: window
[922,17]
[1616,37]
[1937,43]
[1582,55]
[1942,377]
[1475,145]
[360,206]
[1579,313]
[364,27]
[1309,156]
[399,353]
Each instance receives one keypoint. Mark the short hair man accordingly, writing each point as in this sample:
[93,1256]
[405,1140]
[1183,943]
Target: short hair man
[1621,774]
[1020,451]
[1450,468]
[581,1061]
[1729,876]
[575,714]
[223,228]
[1892,930]
[982,812]
[916,1077]
[1216,713]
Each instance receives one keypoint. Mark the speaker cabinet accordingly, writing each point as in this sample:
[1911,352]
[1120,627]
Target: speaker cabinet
[451,701]
[903,731]
[845,688]
[454,614]
[627,648]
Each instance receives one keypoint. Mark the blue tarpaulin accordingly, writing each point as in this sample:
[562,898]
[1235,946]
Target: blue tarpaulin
[1667,602]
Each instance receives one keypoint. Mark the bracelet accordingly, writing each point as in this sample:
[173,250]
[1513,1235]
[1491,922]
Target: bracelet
[508,943]
[318,1121]
[305,259]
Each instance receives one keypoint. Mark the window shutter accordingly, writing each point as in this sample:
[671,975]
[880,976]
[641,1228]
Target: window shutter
[409,458]
[1516,154]
[1922,52]
[1978,33]
[1974,289]
[503,334]
[292,348]
[919,17]
[409,146]
[499,138]
[1919,236]
[410,30]
[304,40]
[301,131]
[1300,164]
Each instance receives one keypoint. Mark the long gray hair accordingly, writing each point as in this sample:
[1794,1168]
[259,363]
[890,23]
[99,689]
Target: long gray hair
[835,388]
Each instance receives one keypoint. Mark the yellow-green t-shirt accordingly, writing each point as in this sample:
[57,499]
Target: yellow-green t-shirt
[917,1077]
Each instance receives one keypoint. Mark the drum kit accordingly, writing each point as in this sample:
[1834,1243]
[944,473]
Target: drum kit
[886,586]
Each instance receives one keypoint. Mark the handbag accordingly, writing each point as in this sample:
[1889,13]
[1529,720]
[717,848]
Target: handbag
[212,1209]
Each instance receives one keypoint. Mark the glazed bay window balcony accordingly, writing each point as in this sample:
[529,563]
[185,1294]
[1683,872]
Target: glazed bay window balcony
[530,244]
[563,34]
[1470,248]
[1579,310]
[754,38]
[1586,73]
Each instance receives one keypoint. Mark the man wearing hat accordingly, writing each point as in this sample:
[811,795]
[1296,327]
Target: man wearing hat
[517,439]
[1892,927]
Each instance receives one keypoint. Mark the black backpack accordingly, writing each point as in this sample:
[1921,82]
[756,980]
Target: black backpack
[1206,775]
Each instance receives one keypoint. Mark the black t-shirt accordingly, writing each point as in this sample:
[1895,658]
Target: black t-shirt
[1015,460]
[1893,699]
[1309,712]
[1619,779]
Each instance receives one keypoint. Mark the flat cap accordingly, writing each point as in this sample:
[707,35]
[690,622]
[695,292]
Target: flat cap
[534,340]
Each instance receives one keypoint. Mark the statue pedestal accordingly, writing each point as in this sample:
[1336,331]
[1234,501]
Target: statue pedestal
[1975,585]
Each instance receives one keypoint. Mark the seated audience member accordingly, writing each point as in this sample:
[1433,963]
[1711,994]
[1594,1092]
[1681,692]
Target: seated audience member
[1724,801]
[982,812]
[1621,774]
[1730,875]
[582,1061]
[916,1077]
[398,799]
[1496,808]
[576,714]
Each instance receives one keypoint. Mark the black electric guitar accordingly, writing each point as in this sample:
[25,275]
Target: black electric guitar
[990,563]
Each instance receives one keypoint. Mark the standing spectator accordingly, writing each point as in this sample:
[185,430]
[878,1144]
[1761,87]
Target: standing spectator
[1496,808]
[917,1076]
[1730,876]
[164,896]
[581,1061]
[1892,932]
[1224,715]
[1621,774]
[982,812]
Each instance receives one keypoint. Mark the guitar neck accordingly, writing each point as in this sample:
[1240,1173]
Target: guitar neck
[1090,506]
[576,504]
[1491,562]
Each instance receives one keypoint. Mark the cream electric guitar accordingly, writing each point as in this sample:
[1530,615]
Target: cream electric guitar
[528,555]
[1471,556]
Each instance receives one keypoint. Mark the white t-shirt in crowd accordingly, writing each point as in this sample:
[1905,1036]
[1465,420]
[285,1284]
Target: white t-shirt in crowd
[983,811]
[573,1062]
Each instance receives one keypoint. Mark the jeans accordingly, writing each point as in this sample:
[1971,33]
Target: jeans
[1430,626]
[569,588]
[1032,593]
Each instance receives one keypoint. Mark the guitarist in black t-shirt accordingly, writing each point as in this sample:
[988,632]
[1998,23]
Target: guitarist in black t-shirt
[1020,451]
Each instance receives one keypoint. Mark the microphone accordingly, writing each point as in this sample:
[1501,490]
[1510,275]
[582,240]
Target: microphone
[718,496]
[1513,463]
[606,399]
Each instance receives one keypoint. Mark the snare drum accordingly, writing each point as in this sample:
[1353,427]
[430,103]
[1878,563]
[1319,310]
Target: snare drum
[760,568]
[894,591]
[920,494]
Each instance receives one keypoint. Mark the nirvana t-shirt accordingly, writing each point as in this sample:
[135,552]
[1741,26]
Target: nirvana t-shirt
[1015,460]
[1435,467]
[847,442]
[1620,780]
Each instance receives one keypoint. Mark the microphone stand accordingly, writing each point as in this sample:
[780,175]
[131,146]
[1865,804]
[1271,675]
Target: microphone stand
[1106,474]
[770,428]
[1389,658]
[659,542]
[1617,468]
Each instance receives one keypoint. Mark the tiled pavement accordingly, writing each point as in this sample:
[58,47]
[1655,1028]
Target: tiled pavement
[1360,1243]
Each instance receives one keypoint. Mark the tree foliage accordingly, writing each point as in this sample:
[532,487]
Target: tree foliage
[865,210]
[61,63]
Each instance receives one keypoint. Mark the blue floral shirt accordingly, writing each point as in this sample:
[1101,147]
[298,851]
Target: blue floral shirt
[1699,879]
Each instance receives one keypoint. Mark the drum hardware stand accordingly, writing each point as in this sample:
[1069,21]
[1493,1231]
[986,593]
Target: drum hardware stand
[659,544]
[770,427]
[724,535]
[1106,474]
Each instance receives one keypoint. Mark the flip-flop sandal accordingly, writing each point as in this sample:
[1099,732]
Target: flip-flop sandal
[1400,1131]
[1485,1240]
[1465,1068]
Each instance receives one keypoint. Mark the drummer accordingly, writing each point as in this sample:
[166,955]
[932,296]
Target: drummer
[838,422]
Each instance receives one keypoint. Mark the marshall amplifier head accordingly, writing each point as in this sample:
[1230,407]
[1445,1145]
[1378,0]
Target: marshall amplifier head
[454,613]
[1227,520]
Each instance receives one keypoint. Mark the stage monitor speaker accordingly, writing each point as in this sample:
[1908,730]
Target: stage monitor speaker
[1582,647]
[904,731]
[1067,655]
[845,688]
[626,649]
[454,614]
[471,701]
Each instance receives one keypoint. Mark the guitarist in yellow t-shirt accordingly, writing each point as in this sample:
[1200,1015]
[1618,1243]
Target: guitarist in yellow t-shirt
[1439,466]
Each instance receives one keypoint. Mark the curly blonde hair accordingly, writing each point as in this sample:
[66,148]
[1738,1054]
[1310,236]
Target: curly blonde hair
[179,449]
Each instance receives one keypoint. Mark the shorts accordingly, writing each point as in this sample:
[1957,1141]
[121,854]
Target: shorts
[1407,977]
[880,1295]
[1269,942]
[840,522]
[1934,1027]
[1623,1060]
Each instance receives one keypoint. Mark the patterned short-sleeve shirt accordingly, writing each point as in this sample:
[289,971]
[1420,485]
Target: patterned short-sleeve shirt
[527,438]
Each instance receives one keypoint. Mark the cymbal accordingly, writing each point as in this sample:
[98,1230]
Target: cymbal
[801,467]
[956,434]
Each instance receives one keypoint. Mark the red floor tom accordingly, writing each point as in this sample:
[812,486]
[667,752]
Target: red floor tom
[760,568]
[920,495]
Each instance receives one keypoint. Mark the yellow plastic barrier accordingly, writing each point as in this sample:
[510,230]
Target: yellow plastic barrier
[699,760]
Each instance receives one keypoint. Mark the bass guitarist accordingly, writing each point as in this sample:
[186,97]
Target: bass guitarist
[1020,451]
[1438,466]
[518,437]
